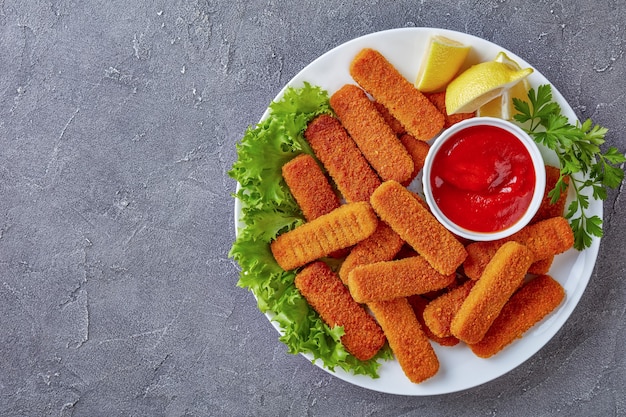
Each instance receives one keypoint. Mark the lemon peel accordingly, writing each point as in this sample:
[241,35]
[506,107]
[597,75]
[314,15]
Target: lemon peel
[502,106]
[443,59]
[482,83]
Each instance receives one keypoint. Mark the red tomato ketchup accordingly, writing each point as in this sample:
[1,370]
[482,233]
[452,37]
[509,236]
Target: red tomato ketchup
[483,179]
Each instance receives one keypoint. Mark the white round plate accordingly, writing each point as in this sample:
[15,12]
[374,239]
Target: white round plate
[459,368]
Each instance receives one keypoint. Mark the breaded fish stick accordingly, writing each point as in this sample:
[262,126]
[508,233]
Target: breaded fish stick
[418,150]
[439,100]
[332,145]
[377,76]
[341,228]
[547,209]
[535,300]
[544,239]
[438,314]
[541,266]
[419,303]
[309,186]
[393,123]
[418,227]
[406,338]
[311,190]
[383,245]
[371,133]
[386,280]
[323,290]
[503,275]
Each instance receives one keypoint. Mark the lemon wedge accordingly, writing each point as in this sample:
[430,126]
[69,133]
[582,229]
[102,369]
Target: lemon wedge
[480,84]
[443,59]
[502,106]
[494,108]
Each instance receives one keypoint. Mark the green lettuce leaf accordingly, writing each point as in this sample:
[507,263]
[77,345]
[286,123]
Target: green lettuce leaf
[268,209]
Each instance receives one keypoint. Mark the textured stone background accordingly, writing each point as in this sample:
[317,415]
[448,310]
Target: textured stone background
[118,124]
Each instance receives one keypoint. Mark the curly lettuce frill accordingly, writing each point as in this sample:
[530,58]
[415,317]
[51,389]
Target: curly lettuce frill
[268,209]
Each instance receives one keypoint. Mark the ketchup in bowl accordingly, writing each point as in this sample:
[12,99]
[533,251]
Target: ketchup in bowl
[484,178]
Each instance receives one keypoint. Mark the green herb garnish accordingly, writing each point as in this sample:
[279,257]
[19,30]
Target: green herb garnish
[590,171]
[268,209]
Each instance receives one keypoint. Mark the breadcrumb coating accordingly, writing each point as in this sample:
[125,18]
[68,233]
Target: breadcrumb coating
[343,160]
[323,290]
[541,266]
[341,228]
[503,275]
[535,300]
[547,209]
[438,314]
[309,186]
[371,70]
[398,207]
[383,245]
[544,239]
[418,150]
[419,303]
[371,133]
[406,338]
[393,123]
[393,279]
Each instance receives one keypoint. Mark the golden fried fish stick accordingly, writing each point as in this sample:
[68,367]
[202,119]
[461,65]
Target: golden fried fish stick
[371,70]
[418,150]
[438,314]
[544,239]
[332,145]
[547,209]
[341,228]
[323,290]
[393,123]
[309,186]
[406,338]
[503,275]
[541,266]
[406,252]
[535,300]
[311,190]
[420,200]
[419,303]
[371,133]
[382,245]
[386,280]
[418,227]
[439,100]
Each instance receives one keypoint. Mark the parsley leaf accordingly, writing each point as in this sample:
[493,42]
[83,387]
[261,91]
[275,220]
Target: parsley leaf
[580,157]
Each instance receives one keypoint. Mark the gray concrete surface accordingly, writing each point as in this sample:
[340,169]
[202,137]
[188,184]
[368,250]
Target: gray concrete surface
[118,124]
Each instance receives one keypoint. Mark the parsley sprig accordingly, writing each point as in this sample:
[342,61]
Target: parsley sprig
[582,162]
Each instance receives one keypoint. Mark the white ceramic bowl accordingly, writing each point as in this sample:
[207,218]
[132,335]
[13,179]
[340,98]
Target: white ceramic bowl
[537,162]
